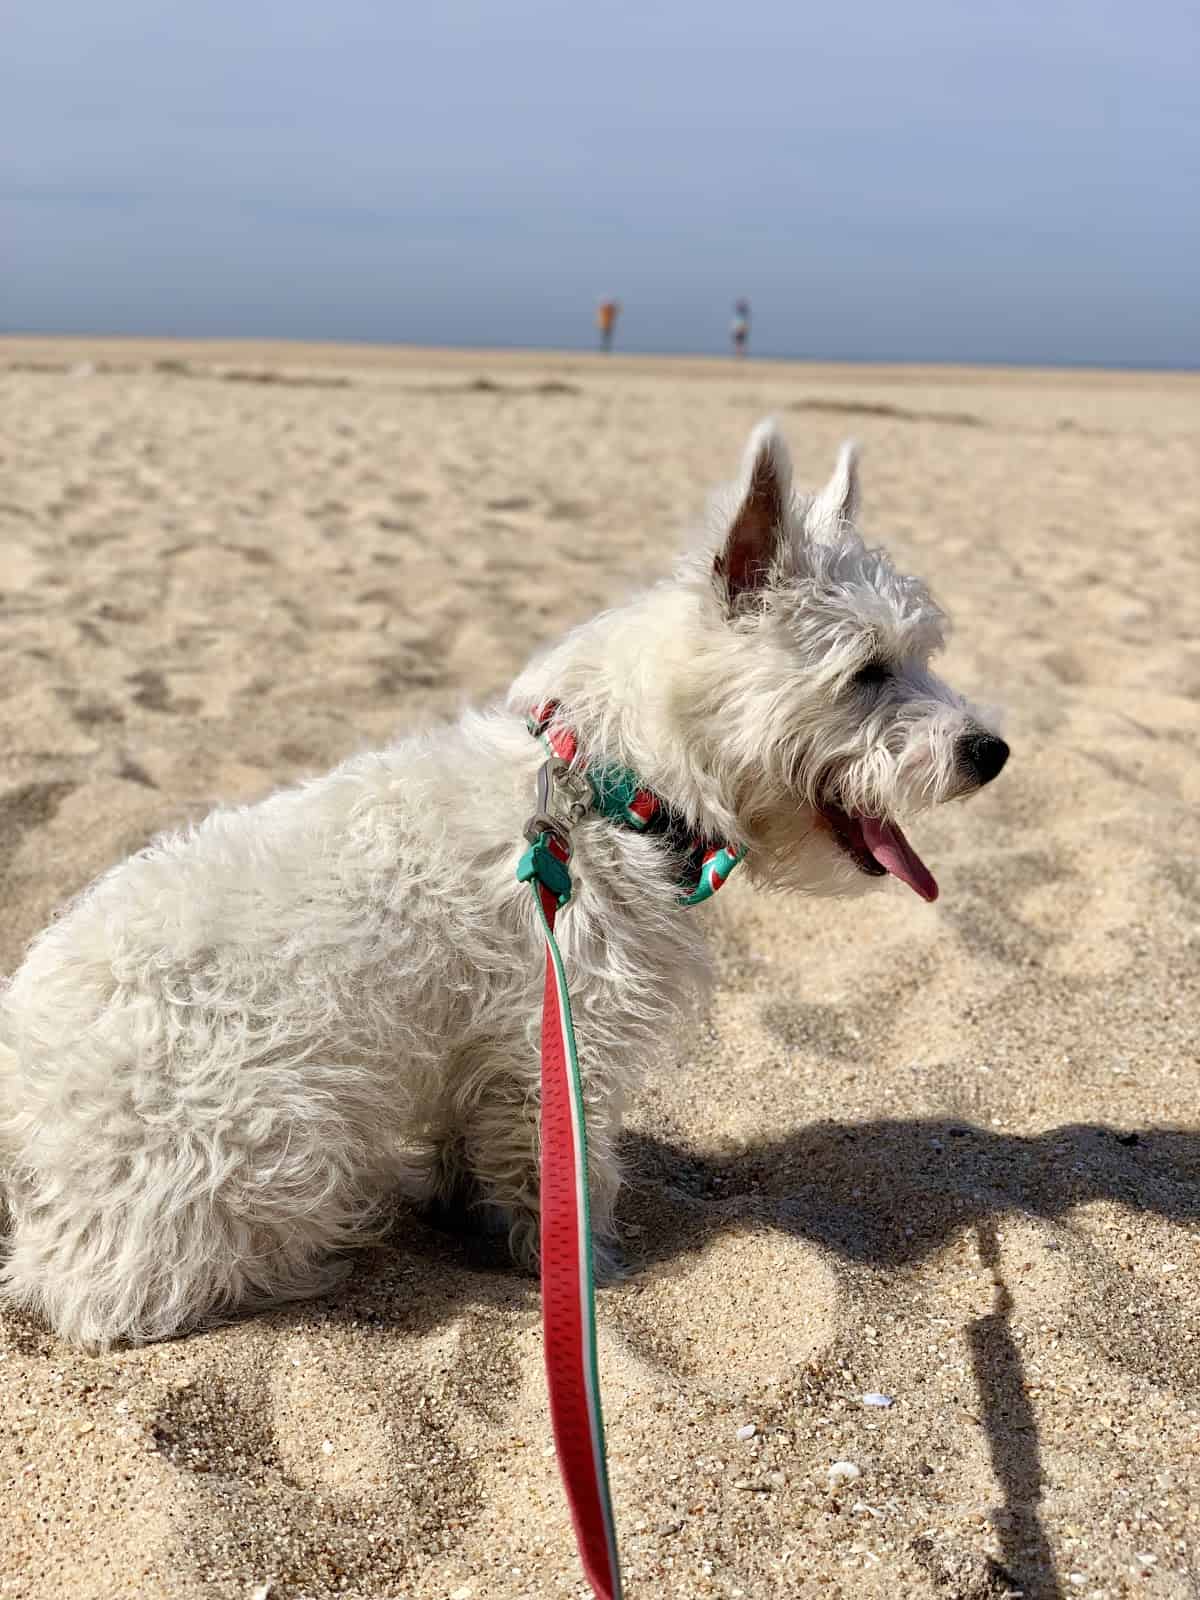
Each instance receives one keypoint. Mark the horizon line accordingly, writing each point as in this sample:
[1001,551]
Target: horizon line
[615,355]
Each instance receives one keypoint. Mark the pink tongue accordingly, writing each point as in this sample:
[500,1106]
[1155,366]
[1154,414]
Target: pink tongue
[892,850]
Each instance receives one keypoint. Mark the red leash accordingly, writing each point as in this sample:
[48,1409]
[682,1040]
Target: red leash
[565,795]
[568,1293]
[568,1288]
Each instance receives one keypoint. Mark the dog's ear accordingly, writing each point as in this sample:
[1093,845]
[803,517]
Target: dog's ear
[838,501]
[759,524]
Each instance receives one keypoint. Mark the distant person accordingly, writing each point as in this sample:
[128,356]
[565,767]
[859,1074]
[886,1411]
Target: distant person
[739,330]
[606,321]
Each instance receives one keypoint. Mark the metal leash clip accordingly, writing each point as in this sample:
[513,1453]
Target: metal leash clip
[564,797]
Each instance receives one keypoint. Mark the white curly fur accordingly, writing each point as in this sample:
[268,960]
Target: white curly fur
[222,1059]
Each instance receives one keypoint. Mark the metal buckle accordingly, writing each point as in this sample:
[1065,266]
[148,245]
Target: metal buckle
[563,798]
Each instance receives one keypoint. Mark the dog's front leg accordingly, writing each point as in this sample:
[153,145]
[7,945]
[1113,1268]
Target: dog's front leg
[498,1140]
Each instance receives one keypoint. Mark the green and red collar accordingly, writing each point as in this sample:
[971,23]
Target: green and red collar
[617,795]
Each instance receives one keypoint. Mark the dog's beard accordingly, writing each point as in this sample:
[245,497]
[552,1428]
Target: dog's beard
[808,843]
[821,802]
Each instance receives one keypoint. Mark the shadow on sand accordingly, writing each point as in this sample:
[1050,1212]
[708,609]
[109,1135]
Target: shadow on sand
[891,1193]
[888,1194]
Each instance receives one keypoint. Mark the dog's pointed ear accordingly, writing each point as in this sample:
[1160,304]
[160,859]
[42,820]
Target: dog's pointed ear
[759,524]
[838,501]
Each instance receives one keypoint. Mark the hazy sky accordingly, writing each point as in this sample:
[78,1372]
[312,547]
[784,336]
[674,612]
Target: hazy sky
[938,179]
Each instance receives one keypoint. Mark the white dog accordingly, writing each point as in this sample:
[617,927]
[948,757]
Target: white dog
[222,1059]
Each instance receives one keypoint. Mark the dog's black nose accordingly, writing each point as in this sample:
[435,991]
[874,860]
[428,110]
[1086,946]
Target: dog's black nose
[982,755]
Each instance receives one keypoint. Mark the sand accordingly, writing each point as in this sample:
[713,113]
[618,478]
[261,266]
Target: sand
[948,1154]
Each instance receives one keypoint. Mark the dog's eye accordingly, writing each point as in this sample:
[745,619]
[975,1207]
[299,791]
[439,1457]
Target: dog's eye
[872,675]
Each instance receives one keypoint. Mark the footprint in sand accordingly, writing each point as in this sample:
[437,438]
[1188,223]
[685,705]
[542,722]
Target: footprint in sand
[152,692]
[324,1460]
[25,809]
[761,1336]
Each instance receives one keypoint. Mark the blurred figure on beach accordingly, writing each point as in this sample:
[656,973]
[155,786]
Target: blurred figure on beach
[606,320]
[739,330]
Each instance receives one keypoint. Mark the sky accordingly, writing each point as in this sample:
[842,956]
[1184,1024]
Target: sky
[942,180]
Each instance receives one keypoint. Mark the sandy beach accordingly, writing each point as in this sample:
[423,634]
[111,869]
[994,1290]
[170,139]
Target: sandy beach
[947,1155]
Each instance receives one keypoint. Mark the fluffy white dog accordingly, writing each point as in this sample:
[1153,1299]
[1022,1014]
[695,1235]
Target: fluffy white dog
[222,1059]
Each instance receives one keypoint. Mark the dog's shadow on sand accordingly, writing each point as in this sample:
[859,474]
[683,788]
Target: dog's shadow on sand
[891,1193]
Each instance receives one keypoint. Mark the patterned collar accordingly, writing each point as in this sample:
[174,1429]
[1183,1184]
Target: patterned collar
[617,795]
